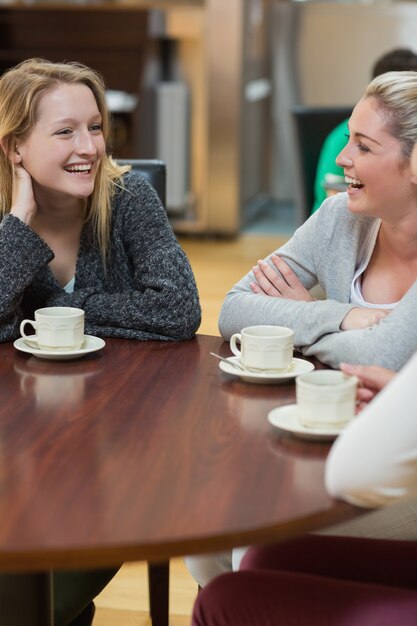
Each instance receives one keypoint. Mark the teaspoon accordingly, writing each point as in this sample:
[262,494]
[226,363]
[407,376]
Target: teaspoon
[239,367]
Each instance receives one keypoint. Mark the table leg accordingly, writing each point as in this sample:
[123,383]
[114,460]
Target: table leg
[158,577]
[26,599]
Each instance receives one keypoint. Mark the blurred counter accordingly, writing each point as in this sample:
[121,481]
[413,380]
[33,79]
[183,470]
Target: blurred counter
[101,4]
[216,79]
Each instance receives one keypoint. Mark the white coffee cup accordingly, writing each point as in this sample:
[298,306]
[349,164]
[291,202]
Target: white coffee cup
[325,398]
[56,328]
[264,348]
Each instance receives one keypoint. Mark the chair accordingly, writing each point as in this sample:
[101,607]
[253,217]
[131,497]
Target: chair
[311,126]
[158,573]
[153,170]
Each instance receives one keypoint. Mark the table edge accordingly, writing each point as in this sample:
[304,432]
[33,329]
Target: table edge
[78,557]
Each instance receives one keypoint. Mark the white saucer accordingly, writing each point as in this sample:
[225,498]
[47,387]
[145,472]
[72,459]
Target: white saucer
[286,418]
[90,344]
[299,366]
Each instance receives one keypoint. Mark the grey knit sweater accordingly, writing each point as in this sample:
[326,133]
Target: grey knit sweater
[326,250]
[148,291]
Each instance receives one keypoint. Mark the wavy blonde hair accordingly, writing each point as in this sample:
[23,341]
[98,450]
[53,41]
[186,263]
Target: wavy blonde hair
[21,89]
[395,94]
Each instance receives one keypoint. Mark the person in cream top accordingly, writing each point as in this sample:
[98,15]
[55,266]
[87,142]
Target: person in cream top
[322,579]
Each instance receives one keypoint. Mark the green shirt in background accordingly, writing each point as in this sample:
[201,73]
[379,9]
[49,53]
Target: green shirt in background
[333,144]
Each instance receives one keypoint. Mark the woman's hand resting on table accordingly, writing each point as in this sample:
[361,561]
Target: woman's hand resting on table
[278,284]
[359,318]
[23,201]
[371,380]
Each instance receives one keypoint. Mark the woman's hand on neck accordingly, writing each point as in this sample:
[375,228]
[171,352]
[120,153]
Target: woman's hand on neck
[23,201]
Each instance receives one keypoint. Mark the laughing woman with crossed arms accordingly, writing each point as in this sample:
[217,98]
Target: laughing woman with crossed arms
[361,247]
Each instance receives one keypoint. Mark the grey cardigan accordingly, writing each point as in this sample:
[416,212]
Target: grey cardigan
[147,292]
[326,250]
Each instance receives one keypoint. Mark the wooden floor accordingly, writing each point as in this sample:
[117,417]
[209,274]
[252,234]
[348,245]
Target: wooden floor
[217,265]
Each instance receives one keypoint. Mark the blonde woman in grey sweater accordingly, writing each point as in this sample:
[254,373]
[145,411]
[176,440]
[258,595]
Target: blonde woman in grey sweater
[361,247]
[78,230]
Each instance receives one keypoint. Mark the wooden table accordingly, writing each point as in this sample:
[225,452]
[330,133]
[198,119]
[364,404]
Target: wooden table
[147,451]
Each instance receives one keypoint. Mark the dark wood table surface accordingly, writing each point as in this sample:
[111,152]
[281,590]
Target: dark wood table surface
[147,451]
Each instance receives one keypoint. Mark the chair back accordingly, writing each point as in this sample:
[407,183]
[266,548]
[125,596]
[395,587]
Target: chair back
[153,170]
[311,126]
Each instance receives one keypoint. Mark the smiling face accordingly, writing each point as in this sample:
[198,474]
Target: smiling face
[63,151]
[380,179]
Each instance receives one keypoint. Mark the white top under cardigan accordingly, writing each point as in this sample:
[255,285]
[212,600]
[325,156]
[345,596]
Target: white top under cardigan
[69,287]
[356,296]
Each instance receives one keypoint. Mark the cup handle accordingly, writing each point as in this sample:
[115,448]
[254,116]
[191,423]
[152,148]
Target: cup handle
[22,327]
[236,338]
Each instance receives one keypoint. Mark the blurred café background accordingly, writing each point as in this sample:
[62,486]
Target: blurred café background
[209,86]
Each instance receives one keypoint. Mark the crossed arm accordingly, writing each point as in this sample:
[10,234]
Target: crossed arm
[284,283]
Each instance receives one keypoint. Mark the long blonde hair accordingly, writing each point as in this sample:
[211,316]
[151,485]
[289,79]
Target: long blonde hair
[21,89]
[396,96]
